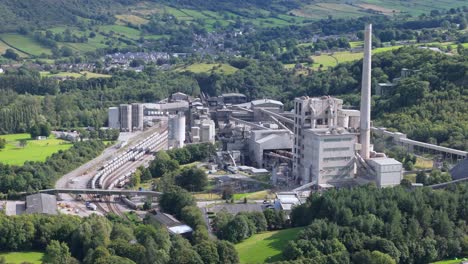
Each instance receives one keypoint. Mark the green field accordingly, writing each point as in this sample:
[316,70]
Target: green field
[452,261]
[207,67]
[20,257]
[35,150]
[87,74]
[265,247]
[254,195]
[25,44]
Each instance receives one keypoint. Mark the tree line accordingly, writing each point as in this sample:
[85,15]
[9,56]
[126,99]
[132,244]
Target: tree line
[95,239]
[372,225]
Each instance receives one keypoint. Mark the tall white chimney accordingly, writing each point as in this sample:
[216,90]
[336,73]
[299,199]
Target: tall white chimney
[366,94]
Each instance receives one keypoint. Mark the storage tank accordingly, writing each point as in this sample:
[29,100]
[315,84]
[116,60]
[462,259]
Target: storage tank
[177,130]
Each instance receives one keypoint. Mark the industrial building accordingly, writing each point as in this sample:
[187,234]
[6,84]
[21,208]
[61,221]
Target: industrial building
[137,116]
[177,130]
[125,118]
[114,118]
[41,204]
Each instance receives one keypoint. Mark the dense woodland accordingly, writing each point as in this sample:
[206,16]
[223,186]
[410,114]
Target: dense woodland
[68,239]
[372,225]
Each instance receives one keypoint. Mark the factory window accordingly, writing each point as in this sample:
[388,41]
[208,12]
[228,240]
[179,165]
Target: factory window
[307,113]
[337,139]
[335,149]
[320,121]
[336,159]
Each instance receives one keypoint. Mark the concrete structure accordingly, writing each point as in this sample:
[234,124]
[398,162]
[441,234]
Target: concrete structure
[177,130]
[137,116]
[324,140]
[41,204]
[387,170]
[125,118]
[207,131]
[329,155]
[366,94]
[261,141]
[114,118]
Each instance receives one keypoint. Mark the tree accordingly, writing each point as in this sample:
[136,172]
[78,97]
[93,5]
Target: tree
[162,164]
[23,143]
[192,179]
[135,180]
[174,199]
[208,252]
[2,143]
[11,54]
[226,252]
[57,253]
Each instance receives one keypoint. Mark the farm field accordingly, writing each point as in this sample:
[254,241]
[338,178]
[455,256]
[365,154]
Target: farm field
[88,75]
[25,44]
[265,247]
[20,257]
[35,150]
[122,19]
[321,10]
[207,67]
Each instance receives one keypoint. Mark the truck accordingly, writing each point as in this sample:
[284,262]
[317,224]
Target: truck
[91,206]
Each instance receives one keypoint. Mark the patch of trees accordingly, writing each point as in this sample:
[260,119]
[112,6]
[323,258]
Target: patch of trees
[391,225]
[236,228]
[69,239]
[42,129]
[2,143]
[435,177]
[179,202]
[34,176]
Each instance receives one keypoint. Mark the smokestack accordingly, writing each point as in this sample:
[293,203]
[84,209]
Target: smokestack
[366,93]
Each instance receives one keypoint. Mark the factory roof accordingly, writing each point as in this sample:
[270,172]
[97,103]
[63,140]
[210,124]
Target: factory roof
[41,203]
[460,170]
[180,229]
[266,101]
[329,131]
[233,94]
[385,161]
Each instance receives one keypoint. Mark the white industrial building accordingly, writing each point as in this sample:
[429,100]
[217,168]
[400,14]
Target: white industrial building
[177,130]
[324,140]
[331,143]
[264,140]
[330,155]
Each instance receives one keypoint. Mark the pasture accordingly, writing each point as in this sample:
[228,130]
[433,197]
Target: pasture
[25,44]
[265,247]
[88,75]
[23,257]
[35,150]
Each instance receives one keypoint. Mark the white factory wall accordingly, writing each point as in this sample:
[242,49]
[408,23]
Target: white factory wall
[114,120]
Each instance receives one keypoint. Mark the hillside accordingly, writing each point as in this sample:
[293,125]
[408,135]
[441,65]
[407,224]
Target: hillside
[33,14]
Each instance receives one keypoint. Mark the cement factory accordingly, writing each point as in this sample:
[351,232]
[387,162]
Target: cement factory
[318,144]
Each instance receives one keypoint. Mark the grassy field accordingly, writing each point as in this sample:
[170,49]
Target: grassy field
[20,257]
[87,74]
[265,247]
[206,67]
[254,195]
[35,150]
[451,261]
[25,44]
[320,10]
[136,20]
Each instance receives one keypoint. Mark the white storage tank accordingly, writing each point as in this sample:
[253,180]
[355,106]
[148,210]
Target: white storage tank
[177,130]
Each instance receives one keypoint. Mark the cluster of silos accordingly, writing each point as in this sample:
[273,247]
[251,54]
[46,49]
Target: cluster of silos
[177,130]
[126,117]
